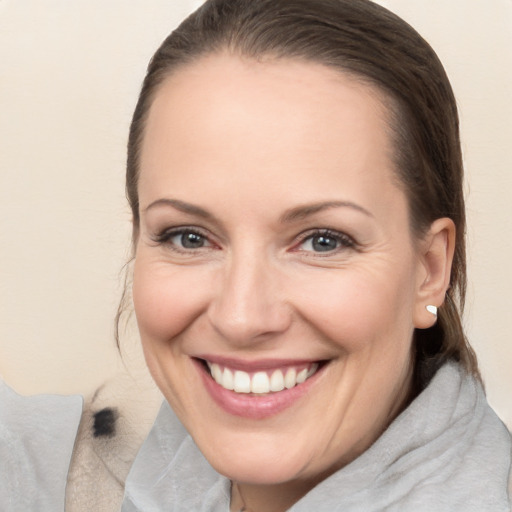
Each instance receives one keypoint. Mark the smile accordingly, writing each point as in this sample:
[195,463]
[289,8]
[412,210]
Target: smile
[261,382]
[257,390]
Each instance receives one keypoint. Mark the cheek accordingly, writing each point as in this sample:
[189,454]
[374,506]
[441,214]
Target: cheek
[166,300]
[360,309]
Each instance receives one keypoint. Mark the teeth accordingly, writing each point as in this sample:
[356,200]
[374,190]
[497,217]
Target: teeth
[227,380]
[312,370]
[260,382]
[290,379]
[242,382]
[302,376]
[277,381]
[216,372]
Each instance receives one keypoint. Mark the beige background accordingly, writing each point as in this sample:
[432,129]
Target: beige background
[69,76]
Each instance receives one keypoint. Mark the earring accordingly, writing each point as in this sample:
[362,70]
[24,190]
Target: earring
[431,309]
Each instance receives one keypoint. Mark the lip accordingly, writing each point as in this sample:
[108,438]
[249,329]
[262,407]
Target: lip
[255,366]
[252,406]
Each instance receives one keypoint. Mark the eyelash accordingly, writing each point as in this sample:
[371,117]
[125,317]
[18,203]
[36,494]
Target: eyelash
[342,240]
[165,238]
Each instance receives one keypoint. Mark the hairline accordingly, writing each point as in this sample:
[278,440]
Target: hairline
[392,109]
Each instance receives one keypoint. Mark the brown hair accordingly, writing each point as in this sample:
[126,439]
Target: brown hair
[377,47]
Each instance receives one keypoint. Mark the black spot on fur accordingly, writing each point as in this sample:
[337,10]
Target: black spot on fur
[105,422]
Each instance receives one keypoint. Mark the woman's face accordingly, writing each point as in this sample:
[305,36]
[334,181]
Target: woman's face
[275,254]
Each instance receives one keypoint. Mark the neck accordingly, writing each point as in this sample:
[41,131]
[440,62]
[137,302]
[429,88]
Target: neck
[267,498]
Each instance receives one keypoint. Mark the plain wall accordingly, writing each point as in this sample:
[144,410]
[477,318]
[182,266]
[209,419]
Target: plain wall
[69,76]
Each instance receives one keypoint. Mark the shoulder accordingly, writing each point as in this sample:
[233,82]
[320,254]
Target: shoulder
[37,434]
[467,447]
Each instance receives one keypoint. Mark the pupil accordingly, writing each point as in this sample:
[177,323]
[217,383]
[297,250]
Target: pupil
[191,240]
[324,243]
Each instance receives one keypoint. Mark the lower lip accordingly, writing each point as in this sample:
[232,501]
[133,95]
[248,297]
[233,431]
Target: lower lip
[254,406]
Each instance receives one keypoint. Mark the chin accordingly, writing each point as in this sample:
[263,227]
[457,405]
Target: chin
[261,470]
[259,458]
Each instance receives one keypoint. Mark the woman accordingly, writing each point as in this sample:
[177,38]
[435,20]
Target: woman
[295,177]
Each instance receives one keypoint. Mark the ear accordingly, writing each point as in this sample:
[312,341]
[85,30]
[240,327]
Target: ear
[436,255]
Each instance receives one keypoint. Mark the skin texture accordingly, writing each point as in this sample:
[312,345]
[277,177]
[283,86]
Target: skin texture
[250,144]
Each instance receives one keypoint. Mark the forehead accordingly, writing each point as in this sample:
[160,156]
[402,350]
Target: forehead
[218,85]
[225,120]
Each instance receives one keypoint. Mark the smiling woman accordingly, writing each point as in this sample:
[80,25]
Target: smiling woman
[295,179]
[295,265]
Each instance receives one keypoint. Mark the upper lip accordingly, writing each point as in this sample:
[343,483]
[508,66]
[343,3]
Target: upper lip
[256,365]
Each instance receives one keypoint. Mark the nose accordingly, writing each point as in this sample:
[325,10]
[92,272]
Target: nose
[249,303]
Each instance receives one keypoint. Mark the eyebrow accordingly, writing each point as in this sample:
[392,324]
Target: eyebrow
[182,206]
[292,215]
[301,212]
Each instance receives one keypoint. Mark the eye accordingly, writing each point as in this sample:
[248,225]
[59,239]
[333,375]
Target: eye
[189,240]
[324,241]
[183,239]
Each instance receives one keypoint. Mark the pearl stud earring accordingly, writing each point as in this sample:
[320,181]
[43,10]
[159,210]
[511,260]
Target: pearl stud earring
[432,309]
